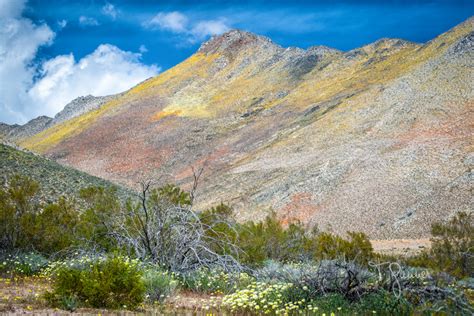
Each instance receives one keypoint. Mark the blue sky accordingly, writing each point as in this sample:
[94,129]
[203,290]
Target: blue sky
[339,24]
[68,48]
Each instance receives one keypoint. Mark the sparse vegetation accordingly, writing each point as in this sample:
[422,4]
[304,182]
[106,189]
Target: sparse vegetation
[105,253]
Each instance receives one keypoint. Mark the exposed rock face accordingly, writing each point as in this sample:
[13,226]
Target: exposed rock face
[31,128]
[378,139]
[80,106]
[5,129]
[74,108]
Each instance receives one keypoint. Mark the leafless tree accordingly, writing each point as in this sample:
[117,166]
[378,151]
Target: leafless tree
[173,236]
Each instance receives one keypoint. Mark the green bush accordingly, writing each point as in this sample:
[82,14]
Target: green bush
[17,206]
[357,247]
[55,227]
[113,282]
[270,240]
[96,222]
[452,245]
[159,284]
[27,224]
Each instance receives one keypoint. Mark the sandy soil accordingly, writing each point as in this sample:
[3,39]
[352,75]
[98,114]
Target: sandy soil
[23,295]
[401,246]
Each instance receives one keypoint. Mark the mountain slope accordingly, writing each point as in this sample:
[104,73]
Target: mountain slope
[377,139]
[55,180]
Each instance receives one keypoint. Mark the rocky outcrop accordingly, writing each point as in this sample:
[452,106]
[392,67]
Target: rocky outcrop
[77,107]
[31,128]
[80,106]
[5,129]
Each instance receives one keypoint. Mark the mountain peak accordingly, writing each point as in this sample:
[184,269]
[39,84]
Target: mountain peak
[234,40]
[322,50]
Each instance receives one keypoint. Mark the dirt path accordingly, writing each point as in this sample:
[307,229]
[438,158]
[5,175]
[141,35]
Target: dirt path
[400,246]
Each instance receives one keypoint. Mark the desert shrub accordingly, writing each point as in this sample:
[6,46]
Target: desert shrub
[357,248]
[270,240]
[111,282]
[453,245]
[17,206]
[27,224]
[215,281]
[27,264]
[96,223]
[159,284]
[55,227]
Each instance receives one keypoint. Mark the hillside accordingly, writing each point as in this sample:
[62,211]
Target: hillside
[55,180]
[377,139]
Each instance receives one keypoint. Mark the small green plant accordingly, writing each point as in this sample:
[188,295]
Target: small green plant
[159,284]
[69,303]
[112,282]
[330,303]
[385,303]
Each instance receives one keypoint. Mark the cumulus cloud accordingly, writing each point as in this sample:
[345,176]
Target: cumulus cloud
[110,10]
[87,21]
[179,23]
[171,21]
[29,88]
[210,27]
[11,9]
[107,70]
[20,40]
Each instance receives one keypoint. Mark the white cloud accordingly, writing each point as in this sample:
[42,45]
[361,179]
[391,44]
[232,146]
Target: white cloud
[179,23]
[210,27]
[29,89]
[172,21]
[107,70]
[110,10]
[62,24]
[142,49]
[20,39]
[11,8]
[87,21]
